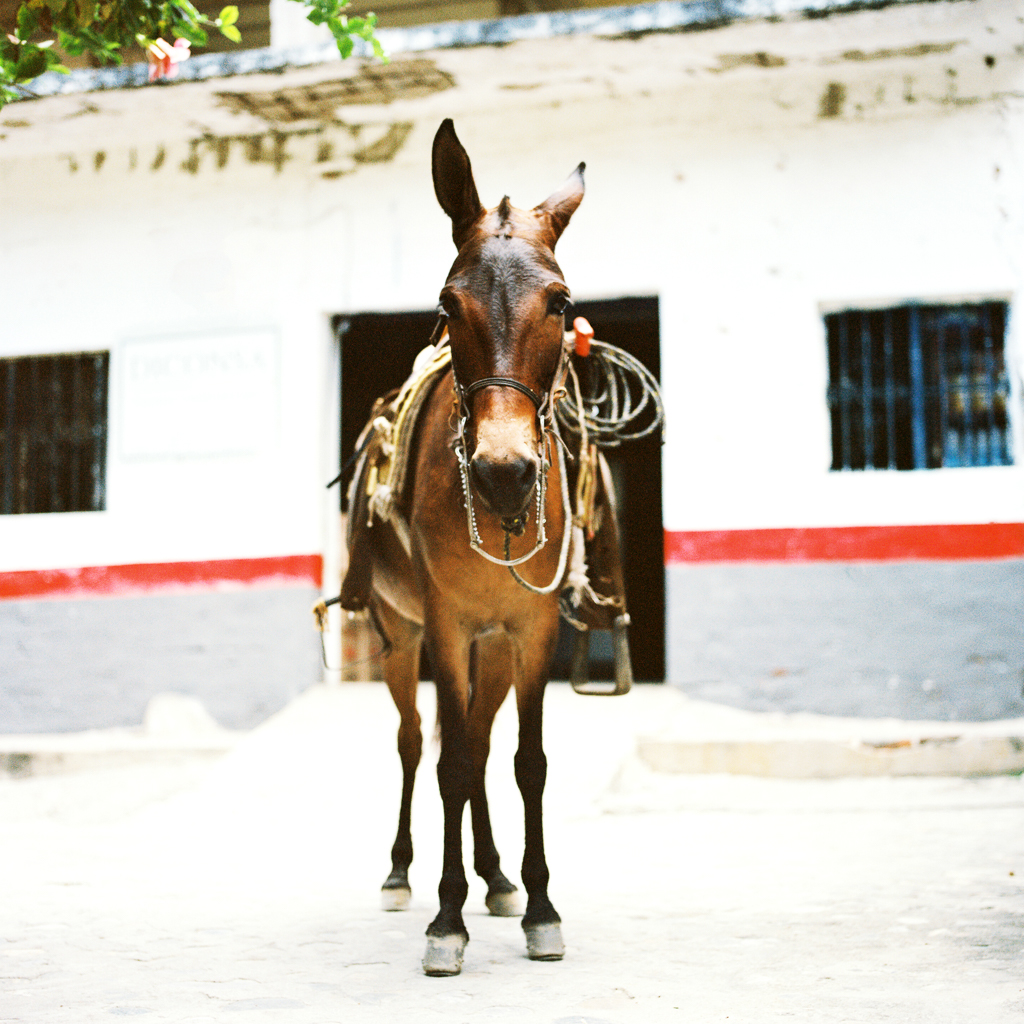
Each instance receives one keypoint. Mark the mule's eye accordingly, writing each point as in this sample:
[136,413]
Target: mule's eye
[558,304]
[449,305]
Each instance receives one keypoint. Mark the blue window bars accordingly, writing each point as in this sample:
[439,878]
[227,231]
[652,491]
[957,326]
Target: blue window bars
[919,387]
[53,433]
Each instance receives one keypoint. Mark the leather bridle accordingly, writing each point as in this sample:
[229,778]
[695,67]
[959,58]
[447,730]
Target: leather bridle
[544,405]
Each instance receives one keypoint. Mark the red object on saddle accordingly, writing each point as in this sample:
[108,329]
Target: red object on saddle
[584,336]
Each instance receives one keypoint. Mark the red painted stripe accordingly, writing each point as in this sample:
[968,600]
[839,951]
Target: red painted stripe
[848,544]
[124,580]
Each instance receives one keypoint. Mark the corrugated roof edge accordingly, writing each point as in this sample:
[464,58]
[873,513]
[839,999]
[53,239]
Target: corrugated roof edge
[640,19]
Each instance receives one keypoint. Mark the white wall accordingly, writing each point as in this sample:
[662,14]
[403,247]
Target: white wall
[731,200]
[747,223]
[123,257]
[778,226]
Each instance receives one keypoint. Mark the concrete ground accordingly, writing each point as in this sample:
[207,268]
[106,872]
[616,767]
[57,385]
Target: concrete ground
[188,886]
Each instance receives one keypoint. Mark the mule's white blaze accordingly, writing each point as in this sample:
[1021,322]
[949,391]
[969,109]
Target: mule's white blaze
[505,439]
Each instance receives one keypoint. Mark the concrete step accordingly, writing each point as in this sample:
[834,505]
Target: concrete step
[658,726]
[174,726]
[696,737]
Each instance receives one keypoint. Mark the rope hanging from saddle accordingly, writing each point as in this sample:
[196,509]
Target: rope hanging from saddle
[620,402]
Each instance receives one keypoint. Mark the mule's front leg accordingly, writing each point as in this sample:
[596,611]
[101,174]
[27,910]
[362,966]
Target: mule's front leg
[541,922]
[493,663]
[446,934]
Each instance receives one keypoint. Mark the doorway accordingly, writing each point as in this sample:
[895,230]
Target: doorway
[377,351]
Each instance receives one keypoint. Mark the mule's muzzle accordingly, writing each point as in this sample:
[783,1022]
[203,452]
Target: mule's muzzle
[505,486]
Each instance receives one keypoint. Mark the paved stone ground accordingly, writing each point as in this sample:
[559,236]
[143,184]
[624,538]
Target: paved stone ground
[247,890]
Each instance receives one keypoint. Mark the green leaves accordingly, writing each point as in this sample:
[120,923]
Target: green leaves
[22,59]
[227,26]
[104,27]
[344,29]
[31,63]
[28,21]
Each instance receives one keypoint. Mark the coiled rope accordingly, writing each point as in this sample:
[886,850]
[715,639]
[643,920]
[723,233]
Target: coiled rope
[620,402]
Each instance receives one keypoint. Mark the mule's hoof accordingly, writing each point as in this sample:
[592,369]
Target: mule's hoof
[544,942]
[443,957]
[395,899]
[505,904]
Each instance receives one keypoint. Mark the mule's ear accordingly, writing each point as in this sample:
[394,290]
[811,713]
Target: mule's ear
[453,182]
[561,205]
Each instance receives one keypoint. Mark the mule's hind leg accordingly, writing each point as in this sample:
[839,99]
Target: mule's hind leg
[492,677]
[401,672]
[541,922]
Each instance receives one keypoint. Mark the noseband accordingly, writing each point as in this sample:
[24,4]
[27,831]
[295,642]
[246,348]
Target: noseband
[502,382]
[516,524]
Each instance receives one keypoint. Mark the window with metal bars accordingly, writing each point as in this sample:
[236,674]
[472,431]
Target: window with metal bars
[919,386]
[53,433]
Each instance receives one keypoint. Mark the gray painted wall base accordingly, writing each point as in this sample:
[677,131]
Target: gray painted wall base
[88,664]
[909,640]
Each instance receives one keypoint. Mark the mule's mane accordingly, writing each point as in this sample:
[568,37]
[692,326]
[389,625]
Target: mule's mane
[504,212]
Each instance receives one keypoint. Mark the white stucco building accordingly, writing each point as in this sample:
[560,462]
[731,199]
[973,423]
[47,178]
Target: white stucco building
[815,209]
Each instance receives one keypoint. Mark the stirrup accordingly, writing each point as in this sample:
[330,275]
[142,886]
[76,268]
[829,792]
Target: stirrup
[579,674]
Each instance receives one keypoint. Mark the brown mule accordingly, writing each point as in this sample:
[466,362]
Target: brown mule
[483,462]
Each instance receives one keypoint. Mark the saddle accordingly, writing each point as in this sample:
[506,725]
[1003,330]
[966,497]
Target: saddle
[377,490]
[594,595]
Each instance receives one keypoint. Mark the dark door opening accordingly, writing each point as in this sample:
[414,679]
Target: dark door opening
[377,351]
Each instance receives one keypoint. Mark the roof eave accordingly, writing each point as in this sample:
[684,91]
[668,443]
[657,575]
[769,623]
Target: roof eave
[632,21]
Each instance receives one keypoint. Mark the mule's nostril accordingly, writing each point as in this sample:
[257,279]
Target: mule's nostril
[504,485]
[525,472]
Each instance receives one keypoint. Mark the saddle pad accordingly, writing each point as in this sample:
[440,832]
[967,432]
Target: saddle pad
[395,426]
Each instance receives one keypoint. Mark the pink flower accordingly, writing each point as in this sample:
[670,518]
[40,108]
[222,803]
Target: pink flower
[164,58]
